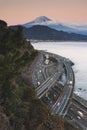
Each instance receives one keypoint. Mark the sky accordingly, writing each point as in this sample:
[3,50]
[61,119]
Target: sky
[22,11]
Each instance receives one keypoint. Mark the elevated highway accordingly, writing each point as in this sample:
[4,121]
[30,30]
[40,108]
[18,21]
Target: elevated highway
[49,82]
[62,103]
[77,113]
[66,105]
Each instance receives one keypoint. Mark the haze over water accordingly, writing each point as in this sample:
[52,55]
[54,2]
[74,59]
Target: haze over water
[75,51]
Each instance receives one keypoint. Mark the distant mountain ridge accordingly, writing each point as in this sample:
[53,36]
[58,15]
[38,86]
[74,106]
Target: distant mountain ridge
[40,32]
[43,20]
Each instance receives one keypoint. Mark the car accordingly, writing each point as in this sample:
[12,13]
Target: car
[80,113]
[58,104]
[79,117]
[69,82]
[38,83]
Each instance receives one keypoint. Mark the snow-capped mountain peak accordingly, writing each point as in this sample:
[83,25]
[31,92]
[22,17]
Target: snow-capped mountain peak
[42,19]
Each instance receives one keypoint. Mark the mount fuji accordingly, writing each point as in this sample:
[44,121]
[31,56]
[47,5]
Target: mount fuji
[43,20]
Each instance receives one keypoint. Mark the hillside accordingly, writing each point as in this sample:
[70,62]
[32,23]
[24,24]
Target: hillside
[20,108]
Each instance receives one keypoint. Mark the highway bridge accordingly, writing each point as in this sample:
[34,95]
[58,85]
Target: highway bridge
[77,113]
[47,78]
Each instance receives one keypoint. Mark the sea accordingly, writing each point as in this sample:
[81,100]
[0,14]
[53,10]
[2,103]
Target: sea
[77,53]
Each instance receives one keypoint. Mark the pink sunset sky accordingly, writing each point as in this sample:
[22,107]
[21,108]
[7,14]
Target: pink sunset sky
[22,11]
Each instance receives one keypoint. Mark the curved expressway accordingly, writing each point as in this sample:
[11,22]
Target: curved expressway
[72,110]
[49,82]
[61,105]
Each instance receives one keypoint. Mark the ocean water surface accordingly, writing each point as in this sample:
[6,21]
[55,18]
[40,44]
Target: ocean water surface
[75,51]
